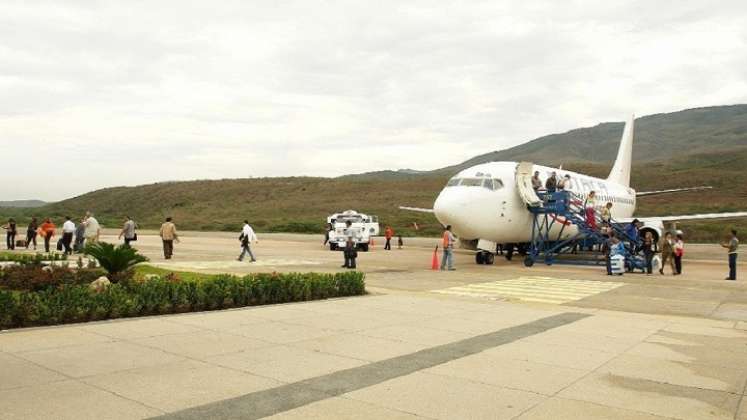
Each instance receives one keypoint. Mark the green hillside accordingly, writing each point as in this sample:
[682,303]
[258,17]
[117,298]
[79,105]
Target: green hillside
[657,137]
[706,146]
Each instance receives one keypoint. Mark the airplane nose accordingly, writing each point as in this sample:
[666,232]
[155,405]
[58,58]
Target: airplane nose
[447,208]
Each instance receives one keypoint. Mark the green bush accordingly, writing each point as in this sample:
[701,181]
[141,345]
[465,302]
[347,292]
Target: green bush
[116,260]
[33,277]
[70,302]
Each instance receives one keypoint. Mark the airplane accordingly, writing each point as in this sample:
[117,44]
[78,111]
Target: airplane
[487,204]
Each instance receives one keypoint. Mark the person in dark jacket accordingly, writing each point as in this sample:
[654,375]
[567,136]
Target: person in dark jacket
[10,236]
[649,249]
[31,232]
[80,237]
[551,183]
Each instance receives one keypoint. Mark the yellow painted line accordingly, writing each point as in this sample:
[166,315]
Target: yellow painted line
[533,289]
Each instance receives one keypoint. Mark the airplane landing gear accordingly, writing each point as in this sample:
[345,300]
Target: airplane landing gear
[484,257]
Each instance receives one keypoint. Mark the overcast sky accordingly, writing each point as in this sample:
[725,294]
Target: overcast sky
[105,93]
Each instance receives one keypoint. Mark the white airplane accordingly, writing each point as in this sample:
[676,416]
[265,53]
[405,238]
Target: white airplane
[487,204]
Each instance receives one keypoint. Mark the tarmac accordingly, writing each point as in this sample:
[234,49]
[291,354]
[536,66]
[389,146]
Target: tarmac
[483,342]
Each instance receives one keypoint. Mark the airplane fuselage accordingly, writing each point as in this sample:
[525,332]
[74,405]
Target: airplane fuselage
[483,202]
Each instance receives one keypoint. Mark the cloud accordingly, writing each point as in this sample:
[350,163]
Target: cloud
[109,93]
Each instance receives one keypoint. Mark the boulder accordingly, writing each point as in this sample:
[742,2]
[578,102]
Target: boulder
[100,284]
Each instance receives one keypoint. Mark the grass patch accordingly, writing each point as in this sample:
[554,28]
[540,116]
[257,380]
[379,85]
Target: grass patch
[143,271]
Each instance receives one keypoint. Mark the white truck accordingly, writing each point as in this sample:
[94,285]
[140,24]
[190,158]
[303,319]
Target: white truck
[363,225]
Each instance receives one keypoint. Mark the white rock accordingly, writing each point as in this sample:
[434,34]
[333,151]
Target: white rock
[100,284]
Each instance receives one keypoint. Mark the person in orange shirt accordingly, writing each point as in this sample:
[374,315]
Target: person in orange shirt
[388,234]
[448,244]
[47,230]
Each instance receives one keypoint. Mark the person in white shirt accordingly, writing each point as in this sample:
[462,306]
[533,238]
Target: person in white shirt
[247,237]
[93,229]
[68,229]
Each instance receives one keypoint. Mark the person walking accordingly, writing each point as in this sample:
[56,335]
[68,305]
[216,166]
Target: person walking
[667,253]
[564,184]
[327,230]
[732,245]
[536,181]
[589,210]
[80,237]
[93,228]
[10,235]
[400,243]
[47,231]
[350,254]
[247,237]
[168,236]
[31,232]
[649,250]
[128,231]
[68,230]
[679,251]
[388,235]
[448,244]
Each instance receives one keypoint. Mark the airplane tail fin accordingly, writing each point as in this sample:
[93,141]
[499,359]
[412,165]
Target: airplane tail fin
[620,173]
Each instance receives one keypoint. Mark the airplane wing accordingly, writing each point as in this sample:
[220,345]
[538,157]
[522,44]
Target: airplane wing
[704,216]
[675,190]
[417,209]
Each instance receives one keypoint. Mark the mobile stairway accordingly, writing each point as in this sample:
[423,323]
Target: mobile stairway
[560,232]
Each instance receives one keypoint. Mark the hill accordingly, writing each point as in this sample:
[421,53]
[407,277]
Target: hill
[23,203]
[657,137]
[693,147]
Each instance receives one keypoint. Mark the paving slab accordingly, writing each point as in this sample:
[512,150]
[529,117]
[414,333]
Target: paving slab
[457,398]
[217,320]
[415,333]
[553,354]
[280,332]
[285,363]
[730,379]
[202,344]
[564,409]
[180,385]
[343,408]
[487,368]
[16,372]
[359,346]
[653,397]
[97,359]
[69,400]
[137,328]
[15,341]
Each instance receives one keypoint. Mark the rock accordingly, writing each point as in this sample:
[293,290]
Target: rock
[47,268]
[100,284]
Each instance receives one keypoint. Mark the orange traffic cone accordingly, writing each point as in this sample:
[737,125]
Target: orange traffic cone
[371,242]
[434,262]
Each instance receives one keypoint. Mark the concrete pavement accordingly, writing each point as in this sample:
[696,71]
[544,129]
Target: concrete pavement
[501,342]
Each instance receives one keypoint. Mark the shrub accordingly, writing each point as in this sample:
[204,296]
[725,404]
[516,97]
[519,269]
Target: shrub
[75,302]
[116,260]
[33,277]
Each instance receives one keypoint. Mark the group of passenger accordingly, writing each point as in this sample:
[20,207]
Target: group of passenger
[73,236]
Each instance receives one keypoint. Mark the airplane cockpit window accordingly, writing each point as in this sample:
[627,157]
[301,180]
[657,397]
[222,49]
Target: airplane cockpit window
[453,182]
[472,182]
[497,184]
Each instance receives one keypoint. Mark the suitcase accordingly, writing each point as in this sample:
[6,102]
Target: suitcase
[59,245]
[21,243]
[617,263]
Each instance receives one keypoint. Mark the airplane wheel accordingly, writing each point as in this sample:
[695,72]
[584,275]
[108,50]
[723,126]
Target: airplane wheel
[528,261]
[489,258]
[479,258]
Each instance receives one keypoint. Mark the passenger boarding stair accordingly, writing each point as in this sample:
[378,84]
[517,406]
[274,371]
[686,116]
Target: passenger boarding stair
[553,218]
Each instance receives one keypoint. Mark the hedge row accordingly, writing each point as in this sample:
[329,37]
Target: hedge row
[76,303]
